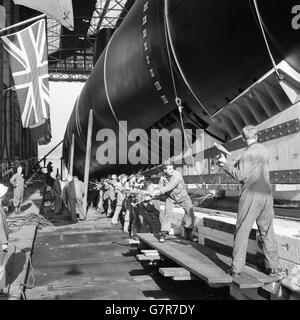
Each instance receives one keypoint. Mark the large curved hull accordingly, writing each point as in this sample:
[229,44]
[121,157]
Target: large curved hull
[216,49]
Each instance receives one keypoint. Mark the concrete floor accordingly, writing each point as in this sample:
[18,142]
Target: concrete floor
[91,260]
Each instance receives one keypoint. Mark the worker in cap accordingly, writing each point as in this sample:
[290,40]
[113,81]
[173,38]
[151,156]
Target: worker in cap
[172,185]
[255,203]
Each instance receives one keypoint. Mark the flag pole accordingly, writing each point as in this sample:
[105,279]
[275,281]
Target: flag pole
[19,24]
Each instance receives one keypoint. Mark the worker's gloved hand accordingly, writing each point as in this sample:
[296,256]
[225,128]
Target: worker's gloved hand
[221,160]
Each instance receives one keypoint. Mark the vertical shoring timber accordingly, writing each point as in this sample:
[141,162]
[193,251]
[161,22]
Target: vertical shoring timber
[1,98]
[71,157]
[87,160]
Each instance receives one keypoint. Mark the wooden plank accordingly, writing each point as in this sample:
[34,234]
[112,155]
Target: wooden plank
[87,160]
[237,294]
[133,241]
[150,253]
[225,227]
[192,257]
[245,294]
[185,278]
[174,272]
[250,271]
[225,238]
[141,257]
[245,281]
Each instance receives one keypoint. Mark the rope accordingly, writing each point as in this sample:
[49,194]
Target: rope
[168,36]
[177,99]
[180,107]
[10,88]
[280,76]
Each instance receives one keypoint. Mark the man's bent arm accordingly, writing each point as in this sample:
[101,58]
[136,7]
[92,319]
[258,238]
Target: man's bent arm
[242,171]
[170,185]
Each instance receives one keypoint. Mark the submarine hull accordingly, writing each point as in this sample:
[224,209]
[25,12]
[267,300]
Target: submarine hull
[214,50]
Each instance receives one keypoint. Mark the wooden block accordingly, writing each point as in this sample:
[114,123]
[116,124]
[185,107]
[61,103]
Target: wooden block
[245,281]
[150,253]
[252,294]
[197,259]
[133,241]
[185,278]
[260,276]
[236,293]
[141,257]
[174,272]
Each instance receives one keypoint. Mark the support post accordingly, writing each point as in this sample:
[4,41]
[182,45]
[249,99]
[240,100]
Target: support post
[61,168]
[1,97]
[87,160]
[71,158]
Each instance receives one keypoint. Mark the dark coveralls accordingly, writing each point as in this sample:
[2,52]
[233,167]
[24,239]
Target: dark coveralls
[58,195]
[255,204]
[17,181]
[174,188]
[75,199]
[109,197]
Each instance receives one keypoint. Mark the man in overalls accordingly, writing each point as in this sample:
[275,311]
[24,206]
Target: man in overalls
[173,186]
[17,180]
[120,187]
[255,204]
[75,198]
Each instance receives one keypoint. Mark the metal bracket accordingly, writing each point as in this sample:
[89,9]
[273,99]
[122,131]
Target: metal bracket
[275,132]
[279,131]
[285,177]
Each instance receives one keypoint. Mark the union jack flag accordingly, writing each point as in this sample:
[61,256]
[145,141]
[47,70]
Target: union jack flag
[27,54]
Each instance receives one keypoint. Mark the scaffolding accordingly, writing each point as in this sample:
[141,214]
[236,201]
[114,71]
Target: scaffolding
[71,54]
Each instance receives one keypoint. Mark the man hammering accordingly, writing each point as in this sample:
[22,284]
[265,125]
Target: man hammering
[255,204]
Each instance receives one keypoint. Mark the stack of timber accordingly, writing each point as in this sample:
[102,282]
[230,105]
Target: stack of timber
[198,262]
[216,233]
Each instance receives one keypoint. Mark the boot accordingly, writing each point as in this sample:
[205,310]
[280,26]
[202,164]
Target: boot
[162,236]
[189,235]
